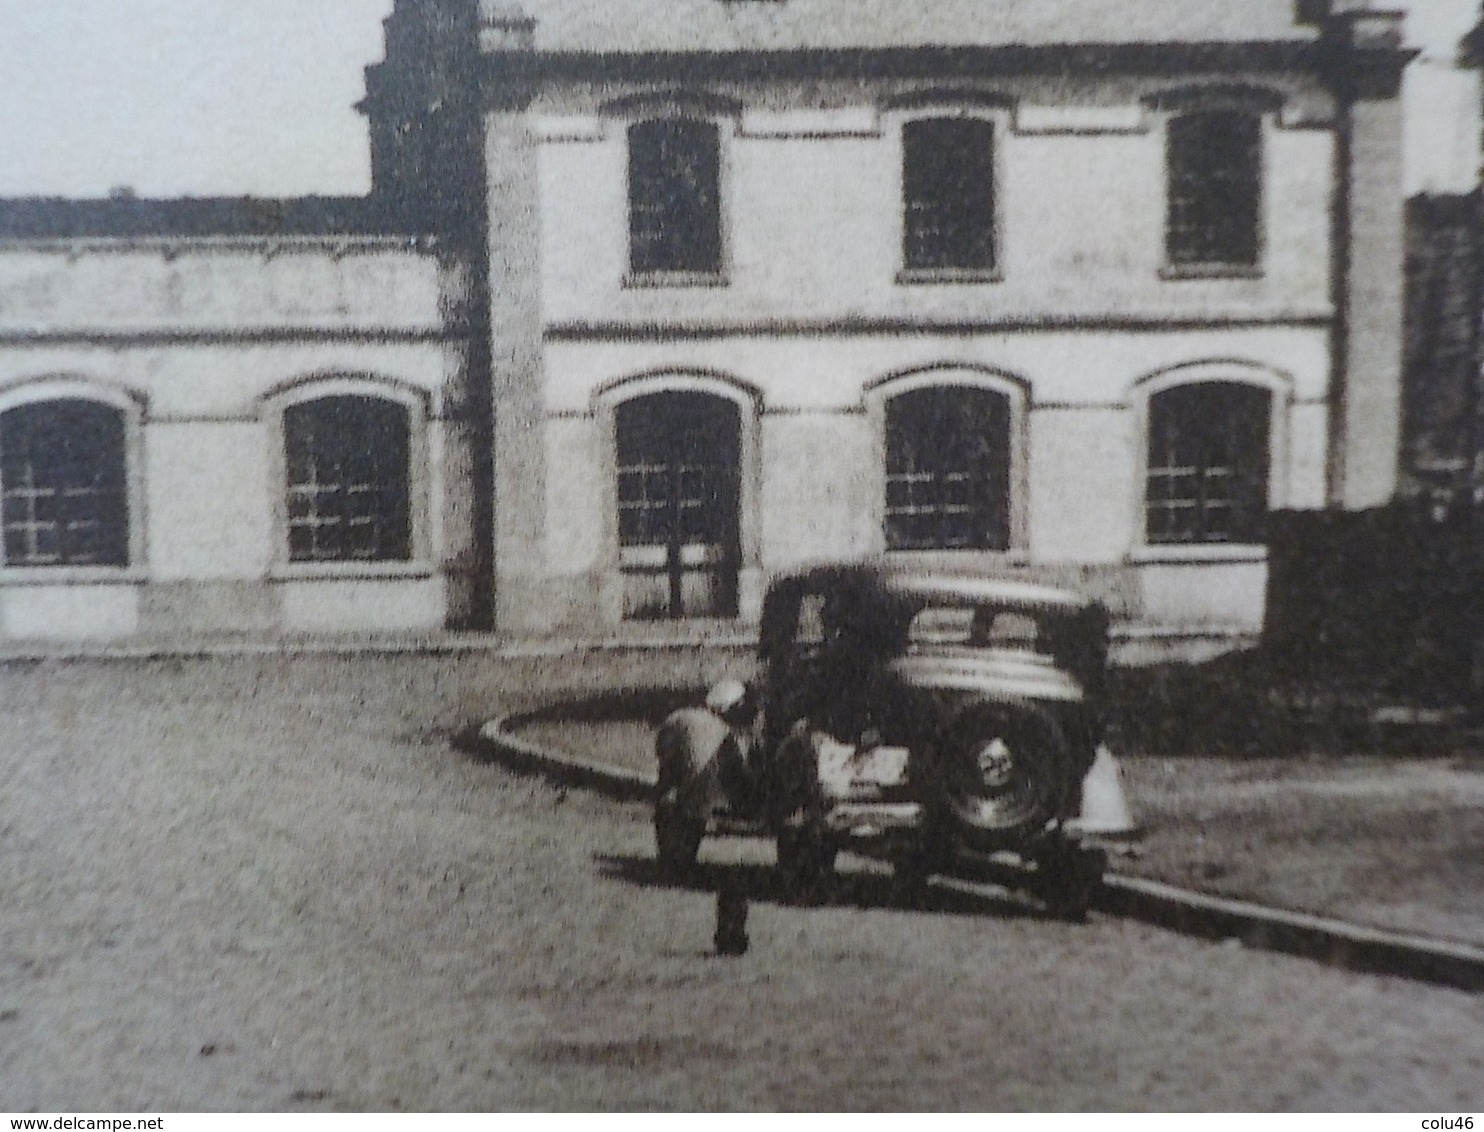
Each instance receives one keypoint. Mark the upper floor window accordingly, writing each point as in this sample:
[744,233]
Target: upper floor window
[948,194]
[948,469]
[64,484]
[1214,164]
[348,469]
[674,196]
[1208,463]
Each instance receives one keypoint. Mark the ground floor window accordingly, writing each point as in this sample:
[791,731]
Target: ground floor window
[1208,463]
[678,500]
[348,471]
[948,469]
[63,478]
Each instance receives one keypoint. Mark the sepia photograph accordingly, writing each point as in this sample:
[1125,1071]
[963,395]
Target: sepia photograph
[626,556]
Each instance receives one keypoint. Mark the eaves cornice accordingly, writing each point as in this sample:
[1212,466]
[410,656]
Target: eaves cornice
[509,76]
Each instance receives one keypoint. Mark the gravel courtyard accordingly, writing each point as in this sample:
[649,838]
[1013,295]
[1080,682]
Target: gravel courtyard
[278,883]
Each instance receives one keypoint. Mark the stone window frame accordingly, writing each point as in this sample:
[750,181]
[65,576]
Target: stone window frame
[1280,388]
[996,113]
[749,402]
[131,408]
[1263,107]
[721,115]
[970,376]
[420,474]
[646,507]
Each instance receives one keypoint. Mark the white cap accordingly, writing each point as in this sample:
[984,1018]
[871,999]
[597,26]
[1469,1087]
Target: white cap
[725,695]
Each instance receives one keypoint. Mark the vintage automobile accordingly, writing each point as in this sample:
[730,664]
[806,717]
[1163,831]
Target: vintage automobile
[942,723]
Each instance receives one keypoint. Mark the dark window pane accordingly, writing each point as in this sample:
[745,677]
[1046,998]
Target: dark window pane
[677,469]
[1208,464]
[46,547]
[948,193]
[348,480]
[63,478]
[674,201]
[678,499]
[1215,176]
[948,469]
[301,542]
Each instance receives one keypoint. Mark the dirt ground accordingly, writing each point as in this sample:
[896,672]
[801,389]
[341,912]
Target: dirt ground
[276,883]
[1391,842]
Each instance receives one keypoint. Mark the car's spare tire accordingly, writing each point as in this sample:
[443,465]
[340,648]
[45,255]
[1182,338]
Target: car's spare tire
[1004,771]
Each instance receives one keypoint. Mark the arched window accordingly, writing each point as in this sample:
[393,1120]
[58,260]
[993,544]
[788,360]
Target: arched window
[1214,168]
[1207,479]
[948,194]
[348,473]
[64,482]
[948,469]
[674,196]
[678,504]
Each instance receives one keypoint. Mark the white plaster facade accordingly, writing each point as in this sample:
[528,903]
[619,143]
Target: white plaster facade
[811,324]
[516,332]
[202,343]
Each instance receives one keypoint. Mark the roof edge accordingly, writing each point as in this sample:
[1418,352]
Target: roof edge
[128,217]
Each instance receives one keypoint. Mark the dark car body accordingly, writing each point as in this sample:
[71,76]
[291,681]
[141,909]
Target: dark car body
[931,720]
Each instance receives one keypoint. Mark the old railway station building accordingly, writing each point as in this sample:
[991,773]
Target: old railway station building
[653,298]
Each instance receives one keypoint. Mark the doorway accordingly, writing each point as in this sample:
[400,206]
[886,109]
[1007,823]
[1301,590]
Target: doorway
[678,502]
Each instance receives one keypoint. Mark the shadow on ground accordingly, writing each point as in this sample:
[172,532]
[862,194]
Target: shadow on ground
[762,884]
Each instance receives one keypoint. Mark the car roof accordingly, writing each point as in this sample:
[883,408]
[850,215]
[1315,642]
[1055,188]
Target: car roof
[925,587]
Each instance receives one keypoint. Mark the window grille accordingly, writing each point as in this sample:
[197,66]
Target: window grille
[677,469]
[348,469]
[1208,464]
[948,470]
[64,484]
[678,504]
